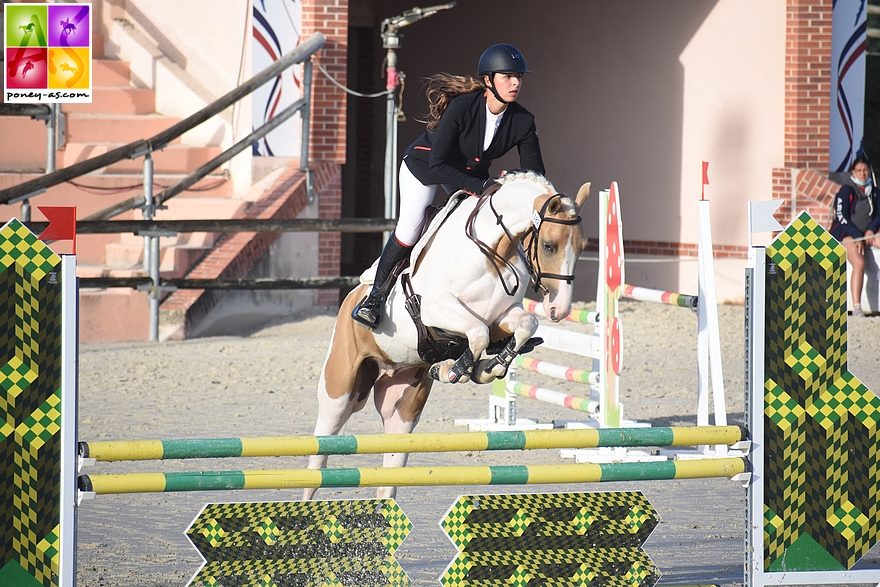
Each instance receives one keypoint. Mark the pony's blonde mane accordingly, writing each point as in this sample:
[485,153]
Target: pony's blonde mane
[540,181]
[520,175]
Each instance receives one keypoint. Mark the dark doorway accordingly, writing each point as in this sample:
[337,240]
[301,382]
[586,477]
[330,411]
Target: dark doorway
[362,174]
[872,85]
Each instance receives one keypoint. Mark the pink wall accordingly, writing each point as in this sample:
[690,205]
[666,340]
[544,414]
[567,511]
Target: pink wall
[639,92]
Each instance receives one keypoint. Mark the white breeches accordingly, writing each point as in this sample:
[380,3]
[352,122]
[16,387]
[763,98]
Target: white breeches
[415,197]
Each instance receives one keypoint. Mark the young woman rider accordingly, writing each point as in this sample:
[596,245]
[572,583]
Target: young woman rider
[470,123]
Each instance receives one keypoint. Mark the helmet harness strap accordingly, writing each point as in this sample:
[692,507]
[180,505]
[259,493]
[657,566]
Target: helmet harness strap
[495,91]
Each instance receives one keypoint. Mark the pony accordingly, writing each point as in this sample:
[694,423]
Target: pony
[461,295]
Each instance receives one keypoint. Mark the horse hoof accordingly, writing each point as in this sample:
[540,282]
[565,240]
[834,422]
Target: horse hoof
[434,372]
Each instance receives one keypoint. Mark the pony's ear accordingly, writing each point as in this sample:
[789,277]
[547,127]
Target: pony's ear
[583,196]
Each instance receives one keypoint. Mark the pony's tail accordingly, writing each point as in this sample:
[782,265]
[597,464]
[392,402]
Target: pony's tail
[443,87]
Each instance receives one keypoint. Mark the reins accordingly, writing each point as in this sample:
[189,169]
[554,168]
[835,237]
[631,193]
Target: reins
[530,260]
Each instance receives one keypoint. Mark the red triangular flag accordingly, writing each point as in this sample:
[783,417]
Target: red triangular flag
[705,179]
[62,223]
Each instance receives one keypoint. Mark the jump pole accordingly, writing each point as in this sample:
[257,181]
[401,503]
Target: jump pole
[409,476]
[281,446]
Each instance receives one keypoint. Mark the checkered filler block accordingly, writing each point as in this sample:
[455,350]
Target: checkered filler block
[821,509]
[30,408]
[281,544]
[551,539]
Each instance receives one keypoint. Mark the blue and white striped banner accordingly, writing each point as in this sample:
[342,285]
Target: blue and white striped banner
[277,26]
[848,42]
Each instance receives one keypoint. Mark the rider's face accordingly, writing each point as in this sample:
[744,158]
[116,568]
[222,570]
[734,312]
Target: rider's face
[508,85]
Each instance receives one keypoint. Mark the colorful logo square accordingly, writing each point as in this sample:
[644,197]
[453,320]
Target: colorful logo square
[69,67]
[26,67]
[47,48]
[69,25]
[26,25]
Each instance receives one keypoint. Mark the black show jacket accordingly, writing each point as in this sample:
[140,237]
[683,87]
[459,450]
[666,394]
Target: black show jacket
[453,153]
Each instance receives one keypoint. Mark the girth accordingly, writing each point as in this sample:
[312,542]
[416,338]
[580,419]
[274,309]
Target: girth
[437,345]
[433,346]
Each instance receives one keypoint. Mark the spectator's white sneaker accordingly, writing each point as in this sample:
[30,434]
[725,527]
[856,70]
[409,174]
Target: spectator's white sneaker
[857,312]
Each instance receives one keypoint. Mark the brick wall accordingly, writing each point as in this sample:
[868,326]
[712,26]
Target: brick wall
[327,140]
[807,112]
[670,249]
[238,252]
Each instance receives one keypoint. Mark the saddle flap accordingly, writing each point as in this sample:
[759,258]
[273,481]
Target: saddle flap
[438,220]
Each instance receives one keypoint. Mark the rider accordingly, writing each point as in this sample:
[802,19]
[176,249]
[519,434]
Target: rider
[470,123]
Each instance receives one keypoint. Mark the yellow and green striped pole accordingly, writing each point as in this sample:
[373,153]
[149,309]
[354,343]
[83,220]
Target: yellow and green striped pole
[280,446]
[411,476]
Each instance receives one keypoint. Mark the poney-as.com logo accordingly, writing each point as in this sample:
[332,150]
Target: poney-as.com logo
[48,51]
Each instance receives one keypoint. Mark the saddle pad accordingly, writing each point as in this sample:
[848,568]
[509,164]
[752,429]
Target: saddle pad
[455,199]
[444,212]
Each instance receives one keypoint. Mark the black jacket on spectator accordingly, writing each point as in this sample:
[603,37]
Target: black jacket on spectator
[843,205]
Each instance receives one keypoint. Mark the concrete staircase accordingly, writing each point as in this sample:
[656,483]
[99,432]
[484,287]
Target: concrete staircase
[120,113]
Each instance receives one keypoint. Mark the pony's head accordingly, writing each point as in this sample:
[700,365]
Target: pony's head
[553,245]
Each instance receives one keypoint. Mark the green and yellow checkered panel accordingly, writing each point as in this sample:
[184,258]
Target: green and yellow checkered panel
[276,544]
[551,539]
[30,406]
[821,424]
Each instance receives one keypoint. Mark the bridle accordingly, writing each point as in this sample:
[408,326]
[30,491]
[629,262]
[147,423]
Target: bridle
[528,256]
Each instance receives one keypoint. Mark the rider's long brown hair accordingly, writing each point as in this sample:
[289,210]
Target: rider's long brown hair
[443,87]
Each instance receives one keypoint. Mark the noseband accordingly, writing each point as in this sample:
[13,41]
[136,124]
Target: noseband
[530,259]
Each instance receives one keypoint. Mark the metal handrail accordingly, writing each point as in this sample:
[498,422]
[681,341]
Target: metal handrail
[159,141]
[361,225]
[145,148]
[259,284]
[32,110]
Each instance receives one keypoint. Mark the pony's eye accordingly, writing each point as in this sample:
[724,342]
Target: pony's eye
[549,247]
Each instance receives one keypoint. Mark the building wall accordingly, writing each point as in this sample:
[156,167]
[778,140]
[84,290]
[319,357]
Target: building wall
[800,180]
[175,48]
[638,92]
[190,66]
[327,138]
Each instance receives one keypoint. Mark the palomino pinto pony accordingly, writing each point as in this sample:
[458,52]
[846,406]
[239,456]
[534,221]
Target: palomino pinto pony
[471,269]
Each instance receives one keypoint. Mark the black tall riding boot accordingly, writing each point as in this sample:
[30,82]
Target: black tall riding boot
[368,312]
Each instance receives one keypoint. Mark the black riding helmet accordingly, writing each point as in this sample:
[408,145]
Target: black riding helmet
[501,58]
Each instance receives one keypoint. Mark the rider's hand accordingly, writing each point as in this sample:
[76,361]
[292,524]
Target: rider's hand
[489,183]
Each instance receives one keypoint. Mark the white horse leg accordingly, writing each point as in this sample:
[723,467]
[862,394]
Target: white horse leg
[523,325]
[333,414]
[399,399]
[345,384]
